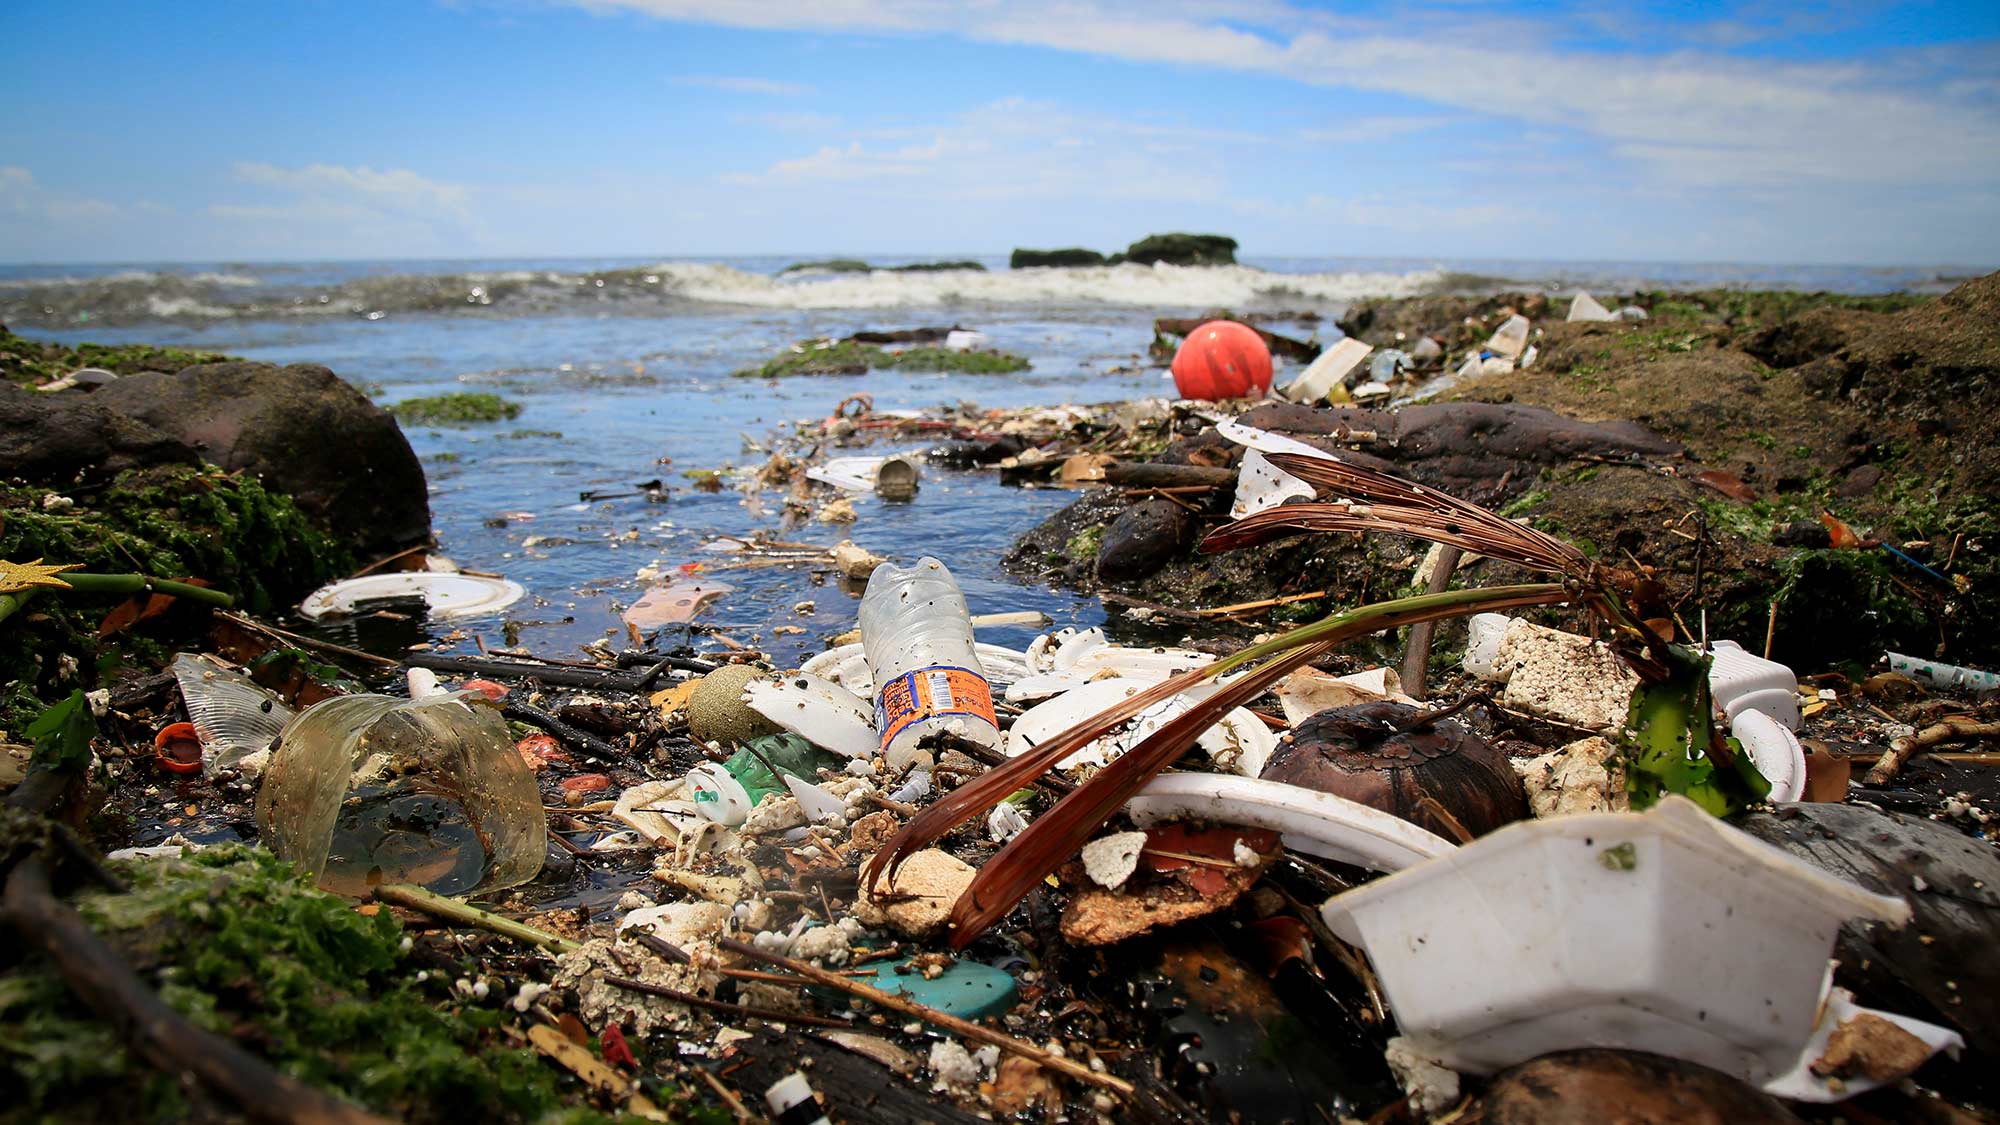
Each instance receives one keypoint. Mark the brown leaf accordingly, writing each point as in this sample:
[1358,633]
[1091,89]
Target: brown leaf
[1842,536]
[1729,484]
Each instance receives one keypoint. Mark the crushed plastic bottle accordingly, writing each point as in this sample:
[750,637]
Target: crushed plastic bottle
[917,635]
[725,792]
[364,790]
[233,716]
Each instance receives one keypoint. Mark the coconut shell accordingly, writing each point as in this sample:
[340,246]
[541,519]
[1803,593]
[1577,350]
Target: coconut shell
[1359,753]
[716,711]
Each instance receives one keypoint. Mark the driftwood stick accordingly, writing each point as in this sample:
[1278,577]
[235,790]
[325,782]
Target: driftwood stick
[451,910]
[104,982]
[897,1002]
[591,745]
[1151,474]
[1905,748]
[1417,654]
[308,642]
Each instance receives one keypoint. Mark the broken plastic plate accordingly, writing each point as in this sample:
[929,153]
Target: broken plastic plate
[1310,821]
[817,709]
[445,595]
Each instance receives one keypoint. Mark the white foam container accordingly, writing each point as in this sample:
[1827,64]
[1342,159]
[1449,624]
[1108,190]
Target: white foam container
[446,595]
[1308,820]
[1741,682]
[1665,931]
[1775,751]
[1483,634]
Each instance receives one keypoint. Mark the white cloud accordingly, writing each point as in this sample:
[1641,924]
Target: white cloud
[740,85]
[1687,116]
[25,200]
[803,122]
[1374,130]
[387,212]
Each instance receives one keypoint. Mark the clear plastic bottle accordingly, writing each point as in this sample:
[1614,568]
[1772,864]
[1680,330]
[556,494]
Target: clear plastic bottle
[370,789]
[917,635]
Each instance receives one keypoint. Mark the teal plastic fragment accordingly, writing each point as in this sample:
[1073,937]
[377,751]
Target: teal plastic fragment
[968,989]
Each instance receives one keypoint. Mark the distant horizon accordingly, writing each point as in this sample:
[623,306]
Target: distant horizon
[1970,269]
[473,130]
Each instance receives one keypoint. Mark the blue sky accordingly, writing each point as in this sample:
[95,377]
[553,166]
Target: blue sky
[311,129]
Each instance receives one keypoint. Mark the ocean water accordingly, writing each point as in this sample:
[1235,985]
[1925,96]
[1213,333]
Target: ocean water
[624,372]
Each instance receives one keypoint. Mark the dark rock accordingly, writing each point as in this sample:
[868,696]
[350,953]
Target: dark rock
[1810,534]
[927,335]
[1071,256]
[1466,448]
[1861,481]
[1940,967]
[1183,250]
[1361,753]
[302,431]
[1143,538]
[966,454]
[61,438]
[1815,334]
[1596,1085]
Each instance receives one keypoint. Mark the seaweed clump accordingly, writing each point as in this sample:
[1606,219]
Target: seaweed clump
[167,522]
[455,409]
[242,944]
[846,357]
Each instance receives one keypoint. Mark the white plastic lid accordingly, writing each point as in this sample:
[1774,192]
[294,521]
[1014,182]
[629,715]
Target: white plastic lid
[718,796]
[445,595]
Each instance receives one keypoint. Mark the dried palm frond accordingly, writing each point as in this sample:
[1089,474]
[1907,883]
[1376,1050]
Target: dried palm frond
[1056,835]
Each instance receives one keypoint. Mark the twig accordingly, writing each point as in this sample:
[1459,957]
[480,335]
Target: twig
[744,1010]
[1906,747]
[104,982]
[451,910]
[896,1002]
[1262,603]
[727,1095]
[590,744]
[1417,653]
[378,564]
[308,642]
[1429,718]
[1771,629]
[663,947]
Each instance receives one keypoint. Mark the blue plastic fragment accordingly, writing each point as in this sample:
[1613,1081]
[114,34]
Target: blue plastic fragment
[967,989]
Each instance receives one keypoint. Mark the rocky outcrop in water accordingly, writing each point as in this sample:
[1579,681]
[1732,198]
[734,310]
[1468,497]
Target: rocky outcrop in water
[303,431]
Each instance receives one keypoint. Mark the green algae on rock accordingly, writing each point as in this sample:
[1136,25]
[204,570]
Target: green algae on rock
[243,945]
[846,357]
[31,362]
[458,409]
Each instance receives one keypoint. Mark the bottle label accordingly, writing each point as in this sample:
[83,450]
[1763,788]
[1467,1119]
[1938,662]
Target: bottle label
[931,693]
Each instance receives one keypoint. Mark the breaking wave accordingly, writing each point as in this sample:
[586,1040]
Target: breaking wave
[674,287]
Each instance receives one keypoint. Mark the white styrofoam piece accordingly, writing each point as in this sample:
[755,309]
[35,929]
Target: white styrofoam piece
[1309,821]
[817,709]
[1240,741]
[1800,1084]
[818,804]
[1511,338]
[1775,751]
[1739,681]
[1602,929]
[1484,632]
[1261,485]
[1585,307]
[1329,370]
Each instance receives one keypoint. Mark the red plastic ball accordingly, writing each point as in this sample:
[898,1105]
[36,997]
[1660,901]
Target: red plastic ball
[1222,359]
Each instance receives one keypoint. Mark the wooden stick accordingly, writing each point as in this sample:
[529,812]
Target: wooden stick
[1905,748]
[104,982]
[382,562]
[1771,629]
[1417,652]
[896,1002]
[451,910]
[1147,474]
[1264,603]
[694,1001]
[308,642]
[728,1096]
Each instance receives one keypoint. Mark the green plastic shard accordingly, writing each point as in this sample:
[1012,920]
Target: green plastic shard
[1667,736]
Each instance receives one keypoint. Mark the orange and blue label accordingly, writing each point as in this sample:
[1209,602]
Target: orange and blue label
[927,693]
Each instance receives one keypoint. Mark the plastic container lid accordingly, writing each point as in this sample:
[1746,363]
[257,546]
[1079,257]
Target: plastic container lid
[445,595]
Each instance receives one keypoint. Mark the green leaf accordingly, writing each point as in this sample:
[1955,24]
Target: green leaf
[1667,736]
[62,734]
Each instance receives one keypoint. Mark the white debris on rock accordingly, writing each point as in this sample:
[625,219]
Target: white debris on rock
[584,970]
[1564,677]
[918,901]
[1006,821]
[1110,860]
[1432,1087]
[773,814]
[953,1065]
[1583,777]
